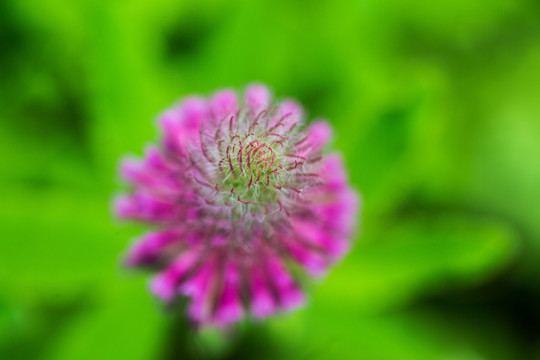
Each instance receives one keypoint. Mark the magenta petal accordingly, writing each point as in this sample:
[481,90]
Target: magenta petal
[154,160]
[123,207]
[134,171]
[289,113]
[143,173]
[334,173]
[194,111]
[172,129]
[229,308]
[340,214]
[313,262]
[149,248]
[290,296]
[199,283]
[333,244]
[165,284]
[223,104]
[319,134]
[262,302]
[199,288]
[180,126]
[257,97]
[141,206]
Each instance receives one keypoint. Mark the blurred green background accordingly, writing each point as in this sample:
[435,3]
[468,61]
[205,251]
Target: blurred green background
[436,107]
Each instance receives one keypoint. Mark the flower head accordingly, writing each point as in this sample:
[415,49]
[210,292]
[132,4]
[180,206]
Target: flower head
[238,192]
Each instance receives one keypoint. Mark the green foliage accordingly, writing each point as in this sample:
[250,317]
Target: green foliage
[435,108]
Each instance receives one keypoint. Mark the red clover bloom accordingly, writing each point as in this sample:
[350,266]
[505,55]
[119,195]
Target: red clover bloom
[238,194]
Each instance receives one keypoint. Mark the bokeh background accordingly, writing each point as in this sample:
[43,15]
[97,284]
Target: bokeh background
[436,108]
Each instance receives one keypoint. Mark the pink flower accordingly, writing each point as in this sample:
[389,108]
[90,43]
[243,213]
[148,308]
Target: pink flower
[237,193]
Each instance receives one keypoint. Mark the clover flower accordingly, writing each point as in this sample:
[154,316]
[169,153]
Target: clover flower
[238,193]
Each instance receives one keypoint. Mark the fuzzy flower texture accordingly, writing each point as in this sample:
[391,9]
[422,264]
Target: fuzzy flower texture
[239,192]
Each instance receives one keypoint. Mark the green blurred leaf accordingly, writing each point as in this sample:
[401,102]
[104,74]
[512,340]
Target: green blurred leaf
[417,256]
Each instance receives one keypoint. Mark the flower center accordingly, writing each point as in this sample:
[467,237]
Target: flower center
[250,165]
